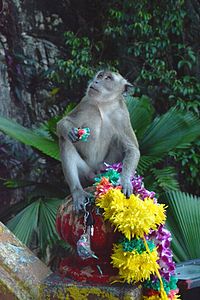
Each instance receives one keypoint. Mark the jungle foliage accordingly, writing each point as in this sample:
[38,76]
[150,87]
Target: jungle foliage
[156,136]
[154,44]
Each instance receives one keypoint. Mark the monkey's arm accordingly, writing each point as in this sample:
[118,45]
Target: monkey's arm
[72,164]
[130,161]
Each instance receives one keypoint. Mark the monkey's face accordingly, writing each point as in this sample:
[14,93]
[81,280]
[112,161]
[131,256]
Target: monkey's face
[106,86]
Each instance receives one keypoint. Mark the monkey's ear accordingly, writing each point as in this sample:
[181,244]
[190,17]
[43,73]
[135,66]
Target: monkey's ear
[127,86]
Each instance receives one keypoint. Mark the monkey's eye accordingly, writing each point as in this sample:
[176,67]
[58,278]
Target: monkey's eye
[100,76]
[108,77]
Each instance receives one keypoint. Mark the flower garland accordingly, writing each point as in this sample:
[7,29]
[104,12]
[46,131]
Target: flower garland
[132,217]
[144,254]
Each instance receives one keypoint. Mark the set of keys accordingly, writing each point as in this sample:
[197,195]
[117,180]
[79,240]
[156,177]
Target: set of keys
[84,243]
[90,223]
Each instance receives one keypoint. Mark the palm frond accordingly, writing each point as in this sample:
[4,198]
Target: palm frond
[141,113]
[183,220]
[16,183]
[25,222]
[29,137]
[160,180]
[166,178]
[40,189]
[48,128]
[174,129]
[69,108]
[146,162]
[39,217]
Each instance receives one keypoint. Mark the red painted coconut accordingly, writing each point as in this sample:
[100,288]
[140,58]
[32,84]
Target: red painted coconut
[70,227]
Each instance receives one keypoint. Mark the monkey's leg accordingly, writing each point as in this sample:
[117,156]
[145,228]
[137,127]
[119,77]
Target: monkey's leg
[73,165]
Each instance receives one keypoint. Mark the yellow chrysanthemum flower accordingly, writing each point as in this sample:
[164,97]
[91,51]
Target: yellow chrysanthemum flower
[133,217]
[134,267]
[158,297]
[154,297]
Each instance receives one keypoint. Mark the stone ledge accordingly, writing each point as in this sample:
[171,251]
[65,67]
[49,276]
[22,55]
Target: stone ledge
[11,288]
[57,288]
[21,271]
[24,277]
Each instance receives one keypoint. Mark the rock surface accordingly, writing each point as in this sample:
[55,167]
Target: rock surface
[31,35]
[23,276]
[21,272]
[27,49]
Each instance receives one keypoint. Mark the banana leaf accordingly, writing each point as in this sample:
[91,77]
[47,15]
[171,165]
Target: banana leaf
[29,137]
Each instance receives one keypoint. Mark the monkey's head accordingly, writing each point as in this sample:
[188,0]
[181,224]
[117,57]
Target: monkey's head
[107,86]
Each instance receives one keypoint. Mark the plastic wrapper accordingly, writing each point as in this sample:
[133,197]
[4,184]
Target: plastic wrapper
[83,247]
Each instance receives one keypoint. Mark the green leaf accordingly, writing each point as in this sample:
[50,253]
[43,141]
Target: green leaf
[165,178]
[145,162]
[183,63]
[25,222]
[175,129]
[183,220]
[39,217]
[48,128]
[141,113]
[69,108]
[54,91]
[29,137]
[15,183]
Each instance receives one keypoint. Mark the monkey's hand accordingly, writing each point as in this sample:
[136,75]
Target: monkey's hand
[73,135]
[79,134]
[80,198]
[127,188]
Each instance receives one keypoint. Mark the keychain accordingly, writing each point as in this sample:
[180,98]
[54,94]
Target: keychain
[90,223]
[84,244]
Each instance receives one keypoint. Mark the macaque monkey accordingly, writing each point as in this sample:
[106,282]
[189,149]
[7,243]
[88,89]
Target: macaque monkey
[112,139]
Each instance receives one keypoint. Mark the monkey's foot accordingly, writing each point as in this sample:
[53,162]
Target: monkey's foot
[127,188]
[80,199]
